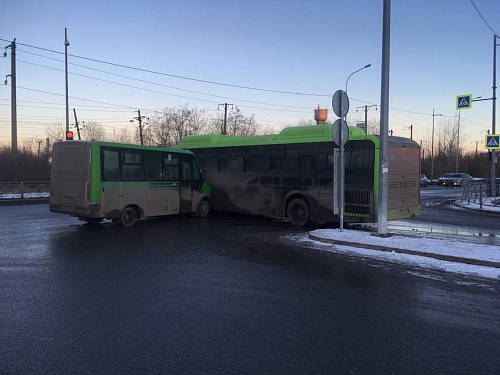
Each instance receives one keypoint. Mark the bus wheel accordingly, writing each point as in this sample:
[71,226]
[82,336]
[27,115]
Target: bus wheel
[204,208]
[297,212]
[128,217]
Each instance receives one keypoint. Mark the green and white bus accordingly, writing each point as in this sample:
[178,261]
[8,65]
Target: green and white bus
[290,174]
[102,180]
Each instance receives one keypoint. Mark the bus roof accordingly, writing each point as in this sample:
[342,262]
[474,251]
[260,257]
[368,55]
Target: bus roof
[298,134]
[128,145]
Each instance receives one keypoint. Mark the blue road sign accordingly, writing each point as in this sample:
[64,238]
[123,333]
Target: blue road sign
[464,101]
[492,142]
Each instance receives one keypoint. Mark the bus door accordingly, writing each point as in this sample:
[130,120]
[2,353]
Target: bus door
[186,184]
[111,188]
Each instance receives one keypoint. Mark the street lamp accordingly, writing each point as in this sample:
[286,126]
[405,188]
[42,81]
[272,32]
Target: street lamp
[432,146]
[366,66]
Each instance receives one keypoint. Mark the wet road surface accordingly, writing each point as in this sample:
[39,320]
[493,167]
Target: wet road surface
[228,295]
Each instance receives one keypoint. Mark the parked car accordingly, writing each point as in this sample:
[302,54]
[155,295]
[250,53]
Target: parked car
[423,180]
[454,179]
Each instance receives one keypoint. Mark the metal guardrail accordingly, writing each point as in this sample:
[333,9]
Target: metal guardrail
[24,189]
[478,192]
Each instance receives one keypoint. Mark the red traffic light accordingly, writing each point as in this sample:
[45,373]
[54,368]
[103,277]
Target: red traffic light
[69,135]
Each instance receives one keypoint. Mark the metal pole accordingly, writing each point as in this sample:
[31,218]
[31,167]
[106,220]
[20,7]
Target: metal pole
[458,142]
[342,167]
[383,188]
[140,125]
[493,117]
[66,44]
[13,103]
[432,147]
[366,119]
[76,124]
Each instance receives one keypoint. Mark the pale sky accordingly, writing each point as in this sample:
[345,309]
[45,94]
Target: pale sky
[292,54]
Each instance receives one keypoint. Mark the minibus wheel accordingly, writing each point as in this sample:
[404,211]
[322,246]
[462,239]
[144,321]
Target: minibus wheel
[204,208]
[128,217]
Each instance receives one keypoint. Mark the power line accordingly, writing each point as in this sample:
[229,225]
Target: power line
[157,84]
[480,15]
[172,75]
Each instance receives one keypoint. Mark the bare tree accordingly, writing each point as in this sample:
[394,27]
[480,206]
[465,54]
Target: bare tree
[239,124]
[93,131]
[122,136]
[170,126]
[55,132]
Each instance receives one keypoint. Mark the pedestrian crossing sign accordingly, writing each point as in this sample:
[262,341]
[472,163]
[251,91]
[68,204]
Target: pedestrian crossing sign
[464,101]
[492,142]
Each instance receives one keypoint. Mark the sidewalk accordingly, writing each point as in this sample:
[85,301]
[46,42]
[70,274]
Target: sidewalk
[473,249]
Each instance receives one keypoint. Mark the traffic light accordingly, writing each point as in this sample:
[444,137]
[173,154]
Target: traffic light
[69,135]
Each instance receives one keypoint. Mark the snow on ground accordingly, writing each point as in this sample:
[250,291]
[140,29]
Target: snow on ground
[452,248]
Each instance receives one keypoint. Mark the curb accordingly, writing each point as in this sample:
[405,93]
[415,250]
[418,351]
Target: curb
[13,201]
[449,258]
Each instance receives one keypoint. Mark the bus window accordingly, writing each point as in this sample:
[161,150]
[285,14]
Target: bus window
[152,166]
[196,173]
[222,164]
[249,164]
[274,163]
[329,163]
[304,163]
[110,165]
[171,167]
[133,167]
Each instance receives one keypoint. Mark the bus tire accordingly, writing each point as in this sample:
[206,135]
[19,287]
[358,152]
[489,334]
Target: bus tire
[204,208]
[297,212]
[128,217]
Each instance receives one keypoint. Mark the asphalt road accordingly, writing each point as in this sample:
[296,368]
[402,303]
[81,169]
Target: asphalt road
[227,295]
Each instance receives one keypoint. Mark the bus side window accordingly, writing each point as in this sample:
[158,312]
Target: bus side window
[196,172]
[152,163]
[186,170]
[170,167]
[329,162]
[249,164]
[133,166]
[274,163]
[222,164]
[305,163]
[110,166]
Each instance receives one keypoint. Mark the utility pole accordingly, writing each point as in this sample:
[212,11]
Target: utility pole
[366,108]
[411,130]
[224,127]
[13,101]
[432,146]
[139,118]
[66,44]
[493,191]
[76,125]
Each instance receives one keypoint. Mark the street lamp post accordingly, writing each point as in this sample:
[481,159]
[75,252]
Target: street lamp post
[66,44]
[366,66]
[432,143]
[341,113]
